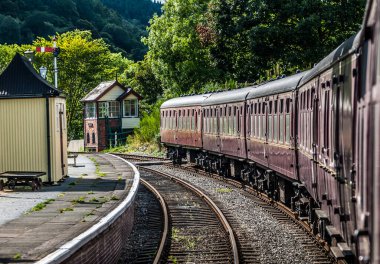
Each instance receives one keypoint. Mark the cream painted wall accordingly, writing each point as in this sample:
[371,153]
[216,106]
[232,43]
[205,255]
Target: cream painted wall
[114,93]
[23,136]
[131,122]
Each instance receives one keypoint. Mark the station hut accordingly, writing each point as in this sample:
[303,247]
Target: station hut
[33,132]
[111,112]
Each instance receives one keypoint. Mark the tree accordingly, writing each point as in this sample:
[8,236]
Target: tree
[7,52]
[140,76]
[178,58]
[9,30]
[283,33]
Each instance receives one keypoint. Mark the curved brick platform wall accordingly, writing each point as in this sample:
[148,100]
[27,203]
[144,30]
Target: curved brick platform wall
[103,242]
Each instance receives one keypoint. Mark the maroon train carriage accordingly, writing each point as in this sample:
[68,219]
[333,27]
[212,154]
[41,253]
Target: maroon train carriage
[312,141]
[224,132]
[270,137]
[181,125]
[325,140]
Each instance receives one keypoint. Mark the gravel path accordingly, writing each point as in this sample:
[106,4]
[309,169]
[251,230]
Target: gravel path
[275,239]
[15,203]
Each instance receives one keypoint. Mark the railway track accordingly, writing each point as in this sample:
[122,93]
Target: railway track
[150,229]
[194,229]
[303,246]
[313,250]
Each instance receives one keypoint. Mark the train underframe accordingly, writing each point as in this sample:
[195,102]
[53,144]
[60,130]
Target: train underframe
[277,187]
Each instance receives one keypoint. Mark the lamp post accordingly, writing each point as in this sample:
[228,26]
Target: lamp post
[43,71]
[29,54]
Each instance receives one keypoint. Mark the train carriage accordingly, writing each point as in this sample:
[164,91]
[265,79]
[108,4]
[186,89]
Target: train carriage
[224,130]
[270,137]
[325,139]
[181,124]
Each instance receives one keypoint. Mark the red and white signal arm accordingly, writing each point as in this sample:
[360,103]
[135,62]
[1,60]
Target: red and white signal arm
[44,49]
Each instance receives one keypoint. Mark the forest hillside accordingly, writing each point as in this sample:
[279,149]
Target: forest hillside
[121,23]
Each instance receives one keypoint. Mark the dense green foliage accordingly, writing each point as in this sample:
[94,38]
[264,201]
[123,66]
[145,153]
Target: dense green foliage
[285,33]
[197,42]
[178,58]
[120,23]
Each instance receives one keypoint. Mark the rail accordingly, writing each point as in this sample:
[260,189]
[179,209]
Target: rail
[165,212]
[213,206]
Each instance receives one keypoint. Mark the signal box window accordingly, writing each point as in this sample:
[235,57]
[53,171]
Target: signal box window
[90,110]
[130,108]
[103,109]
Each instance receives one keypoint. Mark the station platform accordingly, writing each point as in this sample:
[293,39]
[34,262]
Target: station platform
[35,224]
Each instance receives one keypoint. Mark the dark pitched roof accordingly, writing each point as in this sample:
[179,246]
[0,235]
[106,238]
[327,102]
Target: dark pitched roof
[100,90]
[21,80]
[127,92]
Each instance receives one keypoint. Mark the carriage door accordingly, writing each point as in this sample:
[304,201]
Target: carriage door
[314,137]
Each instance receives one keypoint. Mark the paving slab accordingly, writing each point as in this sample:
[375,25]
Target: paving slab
[29,232]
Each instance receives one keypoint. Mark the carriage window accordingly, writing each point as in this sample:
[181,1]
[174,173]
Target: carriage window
[176,120]
[263,121]
[363,71]
[275,122]
[308,99]
[287,121]
[312,97]
[281,125]
[270,122]
[180,120]
[281,106]
[304,100]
